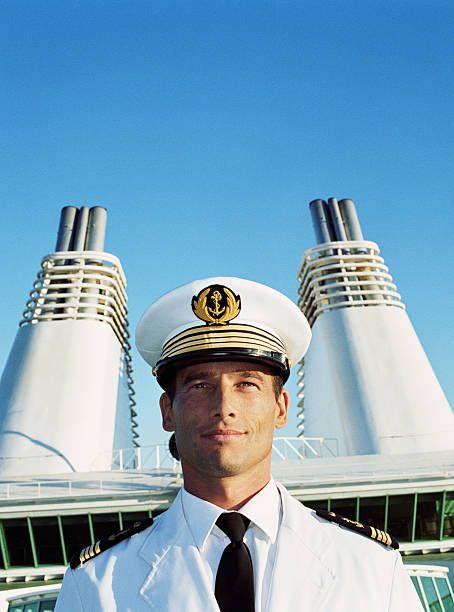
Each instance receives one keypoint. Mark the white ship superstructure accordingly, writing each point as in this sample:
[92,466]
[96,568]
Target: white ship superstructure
[49,514]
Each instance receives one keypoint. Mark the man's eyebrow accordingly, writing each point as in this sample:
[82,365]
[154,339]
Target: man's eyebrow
[250,374]
[188,378]
[196,376]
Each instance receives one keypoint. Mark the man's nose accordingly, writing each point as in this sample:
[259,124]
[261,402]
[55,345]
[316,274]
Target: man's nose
[225,402]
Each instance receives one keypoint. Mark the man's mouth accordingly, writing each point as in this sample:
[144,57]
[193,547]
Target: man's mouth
[223,435]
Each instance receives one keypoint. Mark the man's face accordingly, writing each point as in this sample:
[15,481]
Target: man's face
[224,415]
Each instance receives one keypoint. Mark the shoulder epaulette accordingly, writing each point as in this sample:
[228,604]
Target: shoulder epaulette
[371,532]
[100,546]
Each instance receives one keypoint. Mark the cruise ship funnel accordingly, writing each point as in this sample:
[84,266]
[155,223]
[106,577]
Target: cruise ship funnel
[366,380]
[66,394]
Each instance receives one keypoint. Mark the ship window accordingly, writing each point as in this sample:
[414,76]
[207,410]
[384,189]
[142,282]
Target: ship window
[344,507]
[400,516]
[316,504]
[448,526]
[2,543]
[47,606]
[415,581]
[18,542]
[443,590]
[428,516]
[105,525]
[129,518]
[431,594]
[47,540]
[76,532]
[372,511]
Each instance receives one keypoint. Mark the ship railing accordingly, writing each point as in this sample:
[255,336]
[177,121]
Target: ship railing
[285,448]
[156,459]
[153,457]
[42,488]
[60,487]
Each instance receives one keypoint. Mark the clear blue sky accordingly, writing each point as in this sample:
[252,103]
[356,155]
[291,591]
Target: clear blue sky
[205,128]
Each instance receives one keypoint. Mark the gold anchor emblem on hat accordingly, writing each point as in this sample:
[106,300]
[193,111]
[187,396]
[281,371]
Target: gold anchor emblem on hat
[216,305]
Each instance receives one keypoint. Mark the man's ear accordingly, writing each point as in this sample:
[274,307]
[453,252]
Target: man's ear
[282,405]
[166,411]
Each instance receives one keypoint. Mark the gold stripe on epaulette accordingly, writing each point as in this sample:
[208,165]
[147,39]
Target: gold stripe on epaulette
[346,520]
[100,546]
[89,552]
[372,532]
[82,554]
[380,536]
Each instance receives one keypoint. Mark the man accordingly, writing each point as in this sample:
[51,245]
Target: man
[233,540]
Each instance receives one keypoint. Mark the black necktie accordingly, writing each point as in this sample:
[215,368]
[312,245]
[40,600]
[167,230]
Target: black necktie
[234,588]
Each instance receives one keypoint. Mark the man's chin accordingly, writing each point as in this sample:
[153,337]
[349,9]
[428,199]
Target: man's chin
[223,468]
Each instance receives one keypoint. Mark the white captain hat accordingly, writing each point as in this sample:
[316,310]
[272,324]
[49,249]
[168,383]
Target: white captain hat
[222,318]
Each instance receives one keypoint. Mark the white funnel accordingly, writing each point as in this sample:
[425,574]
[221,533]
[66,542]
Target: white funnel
[366,379]
[65,394]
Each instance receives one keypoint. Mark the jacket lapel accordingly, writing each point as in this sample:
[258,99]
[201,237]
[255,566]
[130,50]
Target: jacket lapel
[304,547]
[177,580]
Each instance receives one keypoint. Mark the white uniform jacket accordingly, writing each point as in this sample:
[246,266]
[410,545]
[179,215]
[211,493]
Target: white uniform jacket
[319,566]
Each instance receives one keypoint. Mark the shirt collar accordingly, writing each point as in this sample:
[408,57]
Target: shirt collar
[263,510]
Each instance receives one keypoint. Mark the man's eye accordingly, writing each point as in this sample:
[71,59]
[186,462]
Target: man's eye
[199,385]
[246,383]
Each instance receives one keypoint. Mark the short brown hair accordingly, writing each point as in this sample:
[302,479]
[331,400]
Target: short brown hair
[278,385]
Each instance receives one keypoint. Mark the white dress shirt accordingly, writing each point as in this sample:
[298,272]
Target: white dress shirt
[264,510]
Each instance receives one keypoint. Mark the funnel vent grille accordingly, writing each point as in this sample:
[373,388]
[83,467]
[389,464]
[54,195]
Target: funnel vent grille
[84,285]
[344,274]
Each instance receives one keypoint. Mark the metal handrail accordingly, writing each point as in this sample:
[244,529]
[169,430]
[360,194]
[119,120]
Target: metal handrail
[373,469]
